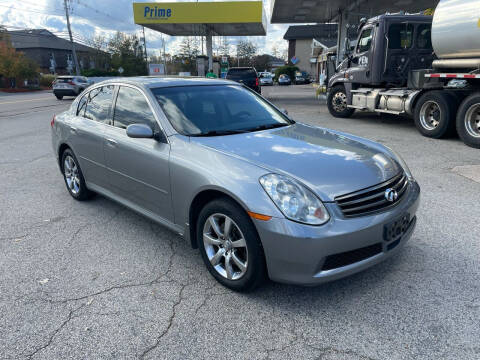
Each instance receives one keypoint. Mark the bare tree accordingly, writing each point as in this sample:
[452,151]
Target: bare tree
[246,50]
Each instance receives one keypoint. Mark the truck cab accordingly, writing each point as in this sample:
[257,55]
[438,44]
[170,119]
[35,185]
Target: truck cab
[423,66]
[388,47]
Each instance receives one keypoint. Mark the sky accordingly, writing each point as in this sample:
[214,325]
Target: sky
[104,17]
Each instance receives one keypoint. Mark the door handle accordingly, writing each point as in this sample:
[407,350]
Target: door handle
[111,142]
[73,129]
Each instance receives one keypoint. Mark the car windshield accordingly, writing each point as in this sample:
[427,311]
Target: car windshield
[217,110]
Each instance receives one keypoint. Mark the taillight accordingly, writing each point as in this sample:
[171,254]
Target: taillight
[71,83]
[256,81]
[52,123]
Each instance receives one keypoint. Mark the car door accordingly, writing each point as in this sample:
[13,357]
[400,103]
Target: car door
[359,71]
[138,168]
[87,129]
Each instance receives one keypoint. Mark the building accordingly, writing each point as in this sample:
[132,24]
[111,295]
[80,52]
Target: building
[307,42]
[54,54]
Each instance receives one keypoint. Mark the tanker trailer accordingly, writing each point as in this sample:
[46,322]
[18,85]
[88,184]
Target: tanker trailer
[428,68]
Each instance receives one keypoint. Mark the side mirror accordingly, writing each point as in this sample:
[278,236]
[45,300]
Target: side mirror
[139,131]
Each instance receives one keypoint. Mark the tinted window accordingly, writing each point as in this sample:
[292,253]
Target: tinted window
[195,110]
[241,74]
[365,41]
[82,104]
[424,36]
[99,104]
[64,80]
[400,36]
[131,107]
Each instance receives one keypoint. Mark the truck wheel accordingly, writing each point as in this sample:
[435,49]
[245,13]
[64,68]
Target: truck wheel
[435,114]
[337,102]
[468,121]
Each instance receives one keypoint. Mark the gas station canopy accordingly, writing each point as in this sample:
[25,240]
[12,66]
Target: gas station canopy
[232,18]
[323,11]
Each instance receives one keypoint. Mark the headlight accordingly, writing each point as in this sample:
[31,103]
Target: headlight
[402,163]
[294,200]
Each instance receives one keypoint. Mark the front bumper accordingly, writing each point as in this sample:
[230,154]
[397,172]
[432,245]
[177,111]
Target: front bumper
[297,253]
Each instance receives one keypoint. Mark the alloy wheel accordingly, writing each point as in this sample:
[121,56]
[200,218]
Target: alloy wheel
[339,101]
[430,115]
[225,246]
[72,177]
[472,121]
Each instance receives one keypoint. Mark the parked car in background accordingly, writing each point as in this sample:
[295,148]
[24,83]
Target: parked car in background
[257,193]
[284,79]
[266,79]
[245,75]
[302,78]
[69,86]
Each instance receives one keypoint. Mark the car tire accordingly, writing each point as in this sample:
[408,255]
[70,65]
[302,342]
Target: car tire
[226,250]
[468,121]
[337,102]
[73,177]
[434,114]
[59,97]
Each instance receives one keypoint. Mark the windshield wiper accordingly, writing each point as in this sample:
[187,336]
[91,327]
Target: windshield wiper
[268,126]
[219,133]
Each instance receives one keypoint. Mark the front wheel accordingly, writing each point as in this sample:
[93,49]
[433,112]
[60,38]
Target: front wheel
[230,246]
[435,114]
[73,176]
[59,97]
[337,102]
[468,121]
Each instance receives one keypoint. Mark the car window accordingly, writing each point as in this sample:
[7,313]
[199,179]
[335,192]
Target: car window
[131,107]
[400,36]
[241,74]
[196,110]
[365,40]
[99,104]
[424,36]
[64,80]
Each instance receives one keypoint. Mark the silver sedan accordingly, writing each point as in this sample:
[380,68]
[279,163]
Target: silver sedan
[259,194]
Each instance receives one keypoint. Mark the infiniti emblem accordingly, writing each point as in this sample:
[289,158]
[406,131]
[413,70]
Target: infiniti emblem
[391,195]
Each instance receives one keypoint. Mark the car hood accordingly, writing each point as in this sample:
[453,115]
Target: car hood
[328,162]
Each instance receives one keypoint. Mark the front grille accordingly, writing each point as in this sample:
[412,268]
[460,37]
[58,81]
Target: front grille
[351,257]
[372,199]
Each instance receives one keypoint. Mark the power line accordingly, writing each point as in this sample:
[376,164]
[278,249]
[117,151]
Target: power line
[35,11]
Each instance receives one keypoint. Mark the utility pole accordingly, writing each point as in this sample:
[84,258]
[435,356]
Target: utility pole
[164,57]
[75,60]
[145,48]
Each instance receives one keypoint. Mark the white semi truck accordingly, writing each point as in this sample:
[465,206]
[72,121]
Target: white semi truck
[413,64]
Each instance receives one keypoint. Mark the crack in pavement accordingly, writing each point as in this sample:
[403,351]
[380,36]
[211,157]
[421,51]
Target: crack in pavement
[331,349]
[55,332]
[169,325]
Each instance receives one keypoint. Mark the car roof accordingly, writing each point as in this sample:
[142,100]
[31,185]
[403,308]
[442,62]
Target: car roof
[167,81]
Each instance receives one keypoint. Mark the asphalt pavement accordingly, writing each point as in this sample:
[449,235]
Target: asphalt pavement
[94,280]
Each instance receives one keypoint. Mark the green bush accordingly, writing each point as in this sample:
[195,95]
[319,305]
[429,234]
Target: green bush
[98,72]
[46,80]
[287,69]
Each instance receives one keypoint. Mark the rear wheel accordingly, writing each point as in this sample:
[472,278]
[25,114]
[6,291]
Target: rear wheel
[337,102]
[230,245]
[59,97]
[468,121]
[435,114]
